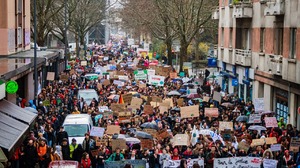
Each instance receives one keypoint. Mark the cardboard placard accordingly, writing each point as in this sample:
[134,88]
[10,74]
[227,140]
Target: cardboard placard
[271,122]
[254,118]
[173,75]
[50,76]
[181,140]
[211,112]
[294,145]
[225,125]
[125,119]
[102,142]
[152,132]
[106,82]
[118,107]
[107,115]
[142,85]
[217,96]
[259,104]
[118,143]
[155,104]
[113,129]
[64,77]
[97,131]
[99,86]
[244,146]
[271,140]
[189,111]
[148,109]
[180,102]
[168,101]
[163,109]
[206,98]
[83,63]
[147,143]
[136,101]
[127,98]
[276,147]
[156,99]
[257,142]
[162,134]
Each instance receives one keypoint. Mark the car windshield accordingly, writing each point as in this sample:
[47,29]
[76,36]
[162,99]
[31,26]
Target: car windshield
[76,130]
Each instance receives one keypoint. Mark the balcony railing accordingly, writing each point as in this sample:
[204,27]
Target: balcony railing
[274,7]
[243,57]
[242,9]
[275,64]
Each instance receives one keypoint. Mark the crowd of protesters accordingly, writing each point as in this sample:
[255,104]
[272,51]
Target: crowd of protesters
[48,141]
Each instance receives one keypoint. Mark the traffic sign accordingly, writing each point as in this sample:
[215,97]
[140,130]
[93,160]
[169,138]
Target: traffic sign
[235,82]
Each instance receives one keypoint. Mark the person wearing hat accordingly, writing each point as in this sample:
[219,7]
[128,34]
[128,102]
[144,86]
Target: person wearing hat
[73,146]
[65,149]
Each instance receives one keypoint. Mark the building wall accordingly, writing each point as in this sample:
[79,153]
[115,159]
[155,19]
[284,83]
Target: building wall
[10,20]
[275,73]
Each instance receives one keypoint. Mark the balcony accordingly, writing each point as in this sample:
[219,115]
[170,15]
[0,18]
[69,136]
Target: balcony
[242,9]
[275,64]
[215,14]
[243,57]
[274,8]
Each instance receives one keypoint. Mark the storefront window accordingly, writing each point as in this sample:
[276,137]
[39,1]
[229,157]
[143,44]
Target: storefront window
[282,109]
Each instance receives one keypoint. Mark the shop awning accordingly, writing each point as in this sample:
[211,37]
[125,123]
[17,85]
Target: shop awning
[17,112]
[11,131]
[14,122]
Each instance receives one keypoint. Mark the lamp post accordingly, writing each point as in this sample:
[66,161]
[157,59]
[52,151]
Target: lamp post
[35,55]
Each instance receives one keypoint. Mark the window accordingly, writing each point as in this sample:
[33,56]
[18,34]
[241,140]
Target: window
[262,40]
[230,37]
[222,37]
[293,32]
[278,41]
[19,6]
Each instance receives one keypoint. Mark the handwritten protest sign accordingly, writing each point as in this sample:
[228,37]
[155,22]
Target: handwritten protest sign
[64,77]
[142,85]
[118,143]
[170,101]
[163,109]
[295,143]
[254,118]
[271,122]
[205,131]
[225,125]
[257,142]
[148,109]
[156,99]
[162,134]
[181,140]
[270,163]
[217,96]
[106,82]
[97,131]
[176,163]
[206,98]
[136,101]
[102,142]
[259,104]
[113,129]
[107,115]
[271,140]
[173,75]
[189,111]
[211,112]
[117,107]
[180,102]
[152,132]
[244,146]
[50,76]
[147,143]
[276,147]
[127,98]
[120,164]
[232,162]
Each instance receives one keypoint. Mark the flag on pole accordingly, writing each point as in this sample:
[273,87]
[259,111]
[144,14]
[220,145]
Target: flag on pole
[121,101]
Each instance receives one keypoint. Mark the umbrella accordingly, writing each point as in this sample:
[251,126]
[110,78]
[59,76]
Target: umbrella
[242,118]
[142,134]
[183,96]
[31,110]
[174,93]
[119,136]
[227,104]
[182,91]
[267,112]
[132,140]
[132,130]
[175,109]
[149,125]
[257,127]
[193,96]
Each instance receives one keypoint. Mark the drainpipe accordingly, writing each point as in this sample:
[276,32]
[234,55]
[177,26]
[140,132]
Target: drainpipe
[289,99]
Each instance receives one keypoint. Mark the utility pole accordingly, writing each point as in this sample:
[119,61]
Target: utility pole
[35,56]
[66,38]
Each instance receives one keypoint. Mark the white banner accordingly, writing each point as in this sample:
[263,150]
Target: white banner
[270,163]
[151,72]
[176,163]
[259,104]
[119,83]
[123,77]
[233,162]
[157,80]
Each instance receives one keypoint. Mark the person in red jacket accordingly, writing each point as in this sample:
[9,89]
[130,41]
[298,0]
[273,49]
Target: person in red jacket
[175,155]
[86,161]
[188,153]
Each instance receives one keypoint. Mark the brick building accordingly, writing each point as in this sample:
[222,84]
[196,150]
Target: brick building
[257,52]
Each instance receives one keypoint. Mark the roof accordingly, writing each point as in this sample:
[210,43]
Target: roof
[17,112]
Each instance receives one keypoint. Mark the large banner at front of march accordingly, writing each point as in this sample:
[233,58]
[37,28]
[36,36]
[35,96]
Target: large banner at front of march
[176,163]
[233,162]
[121,164]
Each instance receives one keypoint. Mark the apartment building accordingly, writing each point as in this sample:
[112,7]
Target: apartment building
[257,53]
[14,26]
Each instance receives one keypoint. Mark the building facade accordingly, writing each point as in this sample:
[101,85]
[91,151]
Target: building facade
[14,26]
[258,53]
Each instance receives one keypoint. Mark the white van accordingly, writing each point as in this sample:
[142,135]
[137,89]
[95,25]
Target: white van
[76,125]
[87,95]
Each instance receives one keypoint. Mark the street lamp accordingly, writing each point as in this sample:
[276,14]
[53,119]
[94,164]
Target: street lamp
[35,55]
